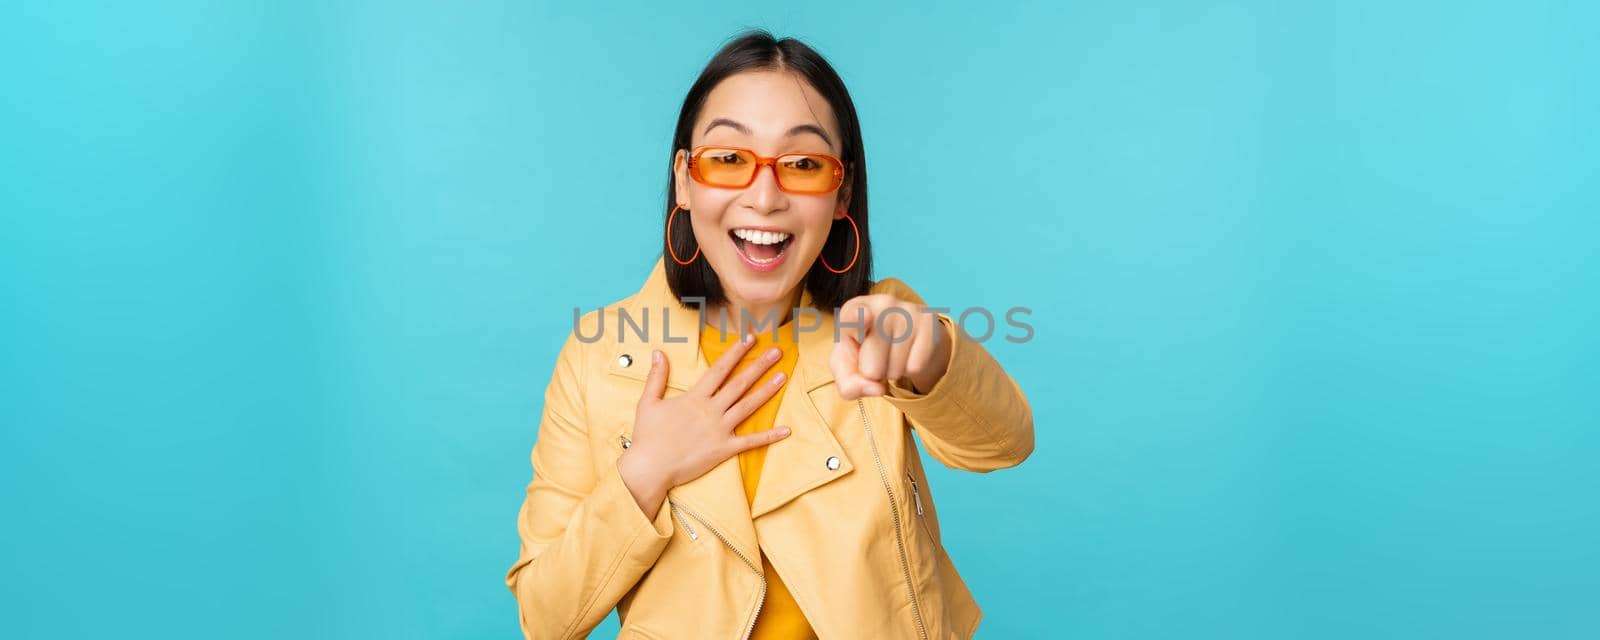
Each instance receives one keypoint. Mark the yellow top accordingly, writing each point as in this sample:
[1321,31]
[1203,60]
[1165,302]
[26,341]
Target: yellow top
[780,615]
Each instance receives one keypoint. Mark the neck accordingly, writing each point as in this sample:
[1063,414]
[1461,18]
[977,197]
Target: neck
[742,317]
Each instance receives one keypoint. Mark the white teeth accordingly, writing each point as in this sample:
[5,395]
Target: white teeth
[761,237]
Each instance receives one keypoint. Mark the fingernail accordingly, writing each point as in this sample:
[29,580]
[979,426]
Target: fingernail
[748,338]
[655,357]
[783,431]
[774,353]
[777,378]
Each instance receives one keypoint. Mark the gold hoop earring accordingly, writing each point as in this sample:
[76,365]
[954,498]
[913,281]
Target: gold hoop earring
[669,240]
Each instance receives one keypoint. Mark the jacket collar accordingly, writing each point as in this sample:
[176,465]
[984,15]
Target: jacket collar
[677,334]
[794,465]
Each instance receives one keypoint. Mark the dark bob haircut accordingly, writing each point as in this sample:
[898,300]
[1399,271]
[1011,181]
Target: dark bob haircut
[758,50]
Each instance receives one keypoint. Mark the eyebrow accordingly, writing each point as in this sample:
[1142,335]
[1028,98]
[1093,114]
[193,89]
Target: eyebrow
[794,131]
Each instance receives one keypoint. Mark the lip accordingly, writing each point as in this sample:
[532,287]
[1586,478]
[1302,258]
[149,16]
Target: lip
[753,264]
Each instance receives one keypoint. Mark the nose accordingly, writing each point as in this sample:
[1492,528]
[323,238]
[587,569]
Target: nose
[763,194]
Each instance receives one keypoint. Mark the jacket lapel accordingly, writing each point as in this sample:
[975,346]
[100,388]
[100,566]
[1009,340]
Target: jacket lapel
[667,325]
[799,463]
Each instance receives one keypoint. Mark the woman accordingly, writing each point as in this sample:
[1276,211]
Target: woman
[762,483]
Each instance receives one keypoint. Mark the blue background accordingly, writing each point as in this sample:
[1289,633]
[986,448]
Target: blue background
[1313,284]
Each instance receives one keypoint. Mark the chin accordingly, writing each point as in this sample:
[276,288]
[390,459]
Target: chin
[758,292]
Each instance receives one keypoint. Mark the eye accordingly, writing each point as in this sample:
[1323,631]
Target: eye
[804,163]
[724,157]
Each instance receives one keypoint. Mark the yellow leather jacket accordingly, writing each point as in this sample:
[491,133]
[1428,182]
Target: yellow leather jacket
[844,511]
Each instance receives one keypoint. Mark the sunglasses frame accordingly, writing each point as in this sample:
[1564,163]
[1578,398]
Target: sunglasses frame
[763,161]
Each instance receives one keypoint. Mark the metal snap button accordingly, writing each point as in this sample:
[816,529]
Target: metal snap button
[624,360]
[625,441]
[833,463]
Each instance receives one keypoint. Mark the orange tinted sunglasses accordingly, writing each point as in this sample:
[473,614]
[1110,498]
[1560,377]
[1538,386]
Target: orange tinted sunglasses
[735,168]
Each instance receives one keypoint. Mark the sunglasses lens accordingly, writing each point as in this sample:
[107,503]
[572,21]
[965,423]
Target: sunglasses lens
[725,167]
[807,172]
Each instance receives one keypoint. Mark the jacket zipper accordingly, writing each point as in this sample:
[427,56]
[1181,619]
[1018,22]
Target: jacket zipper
[683,521]
[753,567]
[916,496]
[894,510]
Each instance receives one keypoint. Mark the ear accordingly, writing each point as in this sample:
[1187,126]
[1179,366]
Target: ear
[680,177]
[844,199]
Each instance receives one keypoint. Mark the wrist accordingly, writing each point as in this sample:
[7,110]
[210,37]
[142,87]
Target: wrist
[639,470]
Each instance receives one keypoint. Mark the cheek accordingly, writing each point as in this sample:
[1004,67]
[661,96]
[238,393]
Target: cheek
[817,220]
[706,212]
[712,198]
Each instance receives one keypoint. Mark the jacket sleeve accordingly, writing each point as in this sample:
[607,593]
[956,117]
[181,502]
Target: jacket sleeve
[585,541]
[976,417]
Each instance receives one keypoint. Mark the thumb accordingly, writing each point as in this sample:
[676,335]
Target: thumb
[844,363]
[655,384]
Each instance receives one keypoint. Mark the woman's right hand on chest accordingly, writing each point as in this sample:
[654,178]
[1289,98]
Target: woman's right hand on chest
[678,439]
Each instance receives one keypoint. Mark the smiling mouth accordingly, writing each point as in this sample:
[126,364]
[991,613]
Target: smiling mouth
[761,248]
